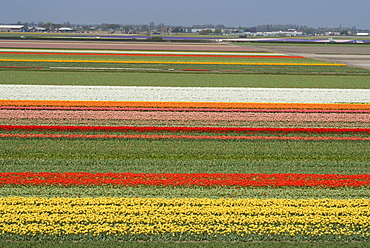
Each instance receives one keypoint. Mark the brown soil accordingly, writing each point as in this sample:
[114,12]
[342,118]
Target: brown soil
[181,46]
[322,49]
[356,56]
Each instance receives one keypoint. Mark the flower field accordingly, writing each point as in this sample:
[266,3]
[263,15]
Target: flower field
[185,218]
[158,58]
[200,163]
[164,60]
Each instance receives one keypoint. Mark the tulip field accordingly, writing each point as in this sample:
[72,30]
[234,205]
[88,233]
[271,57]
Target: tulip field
[154,61]
[165,146]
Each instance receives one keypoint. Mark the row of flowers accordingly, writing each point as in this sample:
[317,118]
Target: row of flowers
[167,62]
[184,116]
[182,179]
[184,105]
[186,109]
[183,129]
[156,55]
[188,217]
[204,137]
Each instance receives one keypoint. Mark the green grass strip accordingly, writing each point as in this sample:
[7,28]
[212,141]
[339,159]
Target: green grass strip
[51,191]
[183,79]
[184,156]
[221,68]
[182,150]
[183,166]
[176,150]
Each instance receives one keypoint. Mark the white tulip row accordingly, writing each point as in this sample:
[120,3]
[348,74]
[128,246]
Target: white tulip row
[183,94]
[139,52]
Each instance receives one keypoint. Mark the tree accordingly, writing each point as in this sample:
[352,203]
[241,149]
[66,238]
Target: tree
[162,27]
[217,31]
[308,31]
[151,25]
[145,28]
[205,32]
[178,30]
[48,25]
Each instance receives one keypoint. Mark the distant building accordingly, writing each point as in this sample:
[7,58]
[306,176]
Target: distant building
[37,29]
[11,28]
[336,33]
[275,33]
[362,34]
[65,29]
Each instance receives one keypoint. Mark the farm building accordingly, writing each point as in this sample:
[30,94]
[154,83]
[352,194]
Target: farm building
[65,29]
[11,28]
[37,29]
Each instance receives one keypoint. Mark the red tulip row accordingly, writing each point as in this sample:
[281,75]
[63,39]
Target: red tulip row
[182,129]
[177,179]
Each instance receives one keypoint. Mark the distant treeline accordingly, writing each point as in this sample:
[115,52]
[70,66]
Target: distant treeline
[162,28]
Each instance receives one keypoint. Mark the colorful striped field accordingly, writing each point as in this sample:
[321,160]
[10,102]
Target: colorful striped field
[242,218]
[183,163]
[222,61]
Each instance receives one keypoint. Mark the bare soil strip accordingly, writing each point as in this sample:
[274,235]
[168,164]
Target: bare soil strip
[168,46]
[358,56]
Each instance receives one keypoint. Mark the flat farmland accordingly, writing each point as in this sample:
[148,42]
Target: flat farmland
[187,79]
[155,60]
[208,143]
[357,56]
[162,46]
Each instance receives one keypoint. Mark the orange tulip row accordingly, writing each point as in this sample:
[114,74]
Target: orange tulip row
[219,105]
[167,62]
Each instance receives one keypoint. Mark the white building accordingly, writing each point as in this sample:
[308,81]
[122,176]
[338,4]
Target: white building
[37,29]
[275,33]
[65,29]
[11,28]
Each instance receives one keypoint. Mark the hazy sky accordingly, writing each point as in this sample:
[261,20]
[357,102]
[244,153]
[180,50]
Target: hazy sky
[233,13]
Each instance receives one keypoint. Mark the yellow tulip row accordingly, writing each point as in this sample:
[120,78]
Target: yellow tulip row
[166,62]
[157,216]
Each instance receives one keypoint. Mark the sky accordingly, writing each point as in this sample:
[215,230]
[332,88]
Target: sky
[231,13]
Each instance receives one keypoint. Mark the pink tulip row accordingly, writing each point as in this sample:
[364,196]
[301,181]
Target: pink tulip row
[92,122]
[185,116]
[164,136]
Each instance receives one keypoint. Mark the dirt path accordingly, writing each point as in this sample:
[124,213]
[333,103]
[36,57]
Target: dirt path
[119,45]
[358,56]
